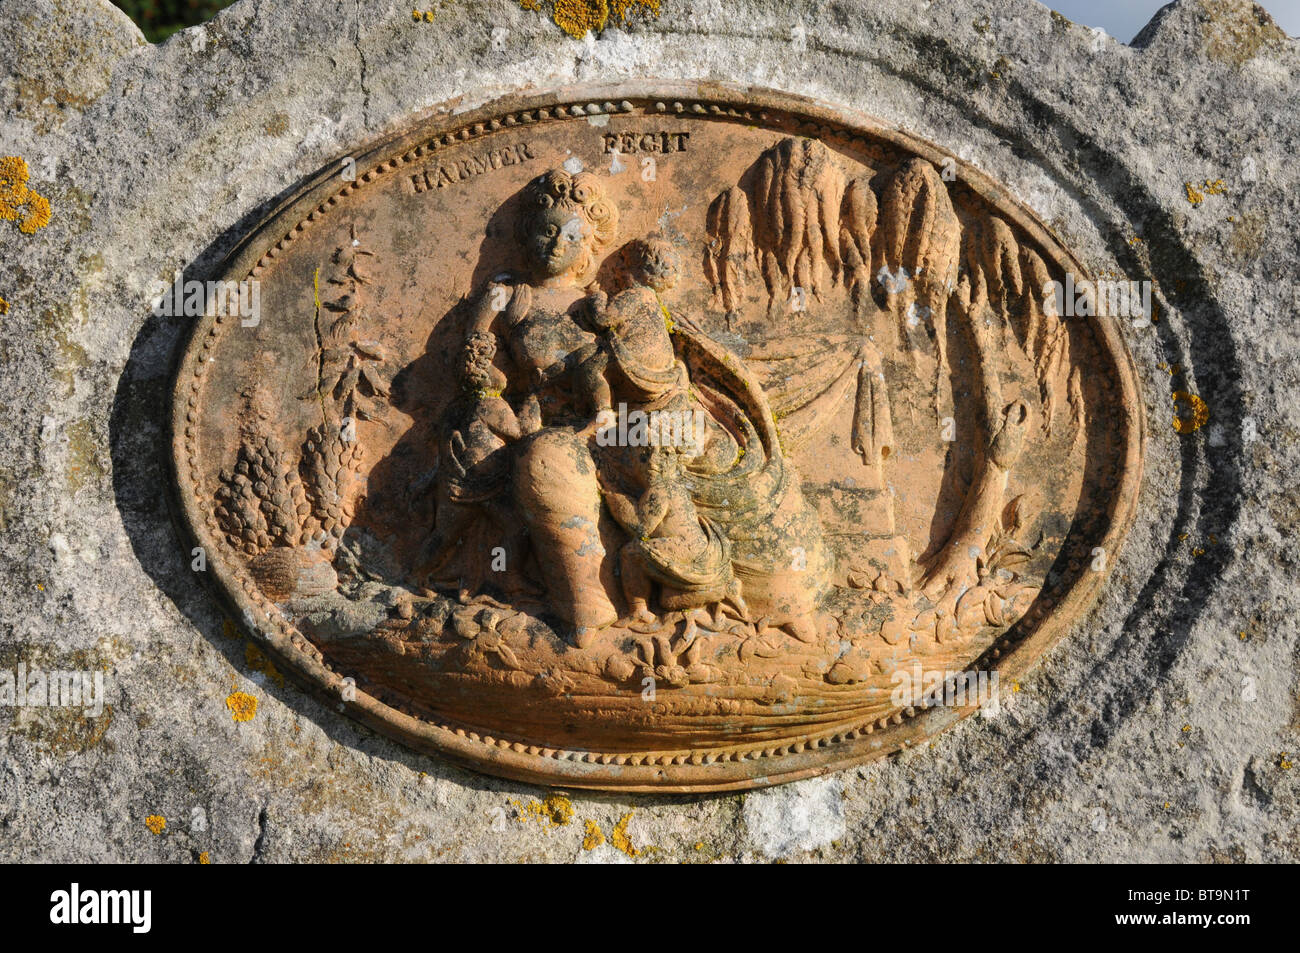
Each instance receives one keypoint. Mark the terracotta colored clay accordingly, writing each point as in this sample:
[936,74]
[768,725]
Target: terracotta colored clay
[639,438]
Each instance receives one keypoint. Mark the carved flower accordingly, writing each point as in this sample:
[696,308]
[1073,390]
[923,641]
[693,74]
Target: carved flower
[673,675]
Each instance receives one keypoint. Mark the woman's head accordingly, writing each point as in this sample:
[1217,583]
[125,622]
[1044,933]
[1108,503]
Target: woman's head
[567,223]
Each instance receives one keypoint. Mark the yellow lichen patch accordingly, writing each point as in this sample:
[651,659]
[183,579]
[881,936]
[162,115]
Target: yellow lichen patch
[559,809]
[204,857]
[18,202]
[156,823]
[593,837]
[621,8]
[428,16]
[4,306]
[242,705]
[1196,194]
[618,836]
[1198,413]
[1233,32]
[578,17]
[255,659]
[1284,762]
[555,811]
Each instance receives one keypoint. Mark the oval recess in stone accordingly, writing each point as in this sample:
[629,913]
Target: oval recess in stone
[654,438]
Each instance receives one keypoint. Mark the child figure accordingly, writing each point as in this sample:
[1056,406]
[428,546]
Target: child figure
[635,355]
[671,544]
[480,425]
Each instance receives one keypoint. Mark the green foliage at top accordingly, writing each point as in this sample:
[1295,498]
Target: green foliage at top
[159,19]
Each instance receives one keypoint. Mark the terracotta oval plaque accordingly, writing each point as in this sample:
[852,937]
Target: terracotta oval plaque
[660,438]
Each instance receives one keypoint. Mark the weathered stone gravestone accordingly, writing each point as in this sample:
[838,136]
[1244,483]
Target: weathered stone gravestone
[728,397]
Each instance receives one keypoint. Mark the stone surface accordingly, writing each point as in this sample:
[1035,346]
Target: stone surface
[1163,728]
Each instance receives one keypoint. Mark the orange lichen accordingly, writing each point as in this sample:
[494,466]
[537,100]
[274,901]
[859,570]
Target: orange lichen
[242,706]
[4,306]
[1200,413]
[576,17]
[155,823]
[579,17]
[1196,195]
[17,201]
[559,809]
[555,811]
[621,8]
[593,837]
[255,659]
[618,836]
[428,16]
[204,858]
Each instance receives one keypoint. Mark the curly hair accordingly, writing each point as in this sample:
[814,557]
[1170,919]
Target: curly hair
[584,195]
[653,261]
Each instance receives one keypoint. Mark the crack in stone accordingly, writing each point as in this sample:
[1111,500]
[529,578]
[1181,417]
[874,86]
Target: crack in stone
[260,843]
[365,89]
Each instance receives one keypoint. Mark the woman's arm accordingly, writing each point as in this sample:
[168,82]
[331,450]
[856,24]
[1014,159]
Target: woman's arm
[499,297]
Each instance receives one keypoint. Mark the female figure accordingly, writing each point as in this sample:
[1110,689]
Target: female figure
[738,479]
[567,224]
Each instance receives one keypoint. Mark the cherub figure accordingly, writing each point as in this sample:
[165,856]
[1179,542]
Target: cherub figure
[481,424]
[671,544]
[634,358]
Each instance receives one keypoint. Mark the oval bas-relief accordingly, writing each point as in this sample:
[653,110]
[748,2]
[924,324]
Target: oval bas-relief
[655,438]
